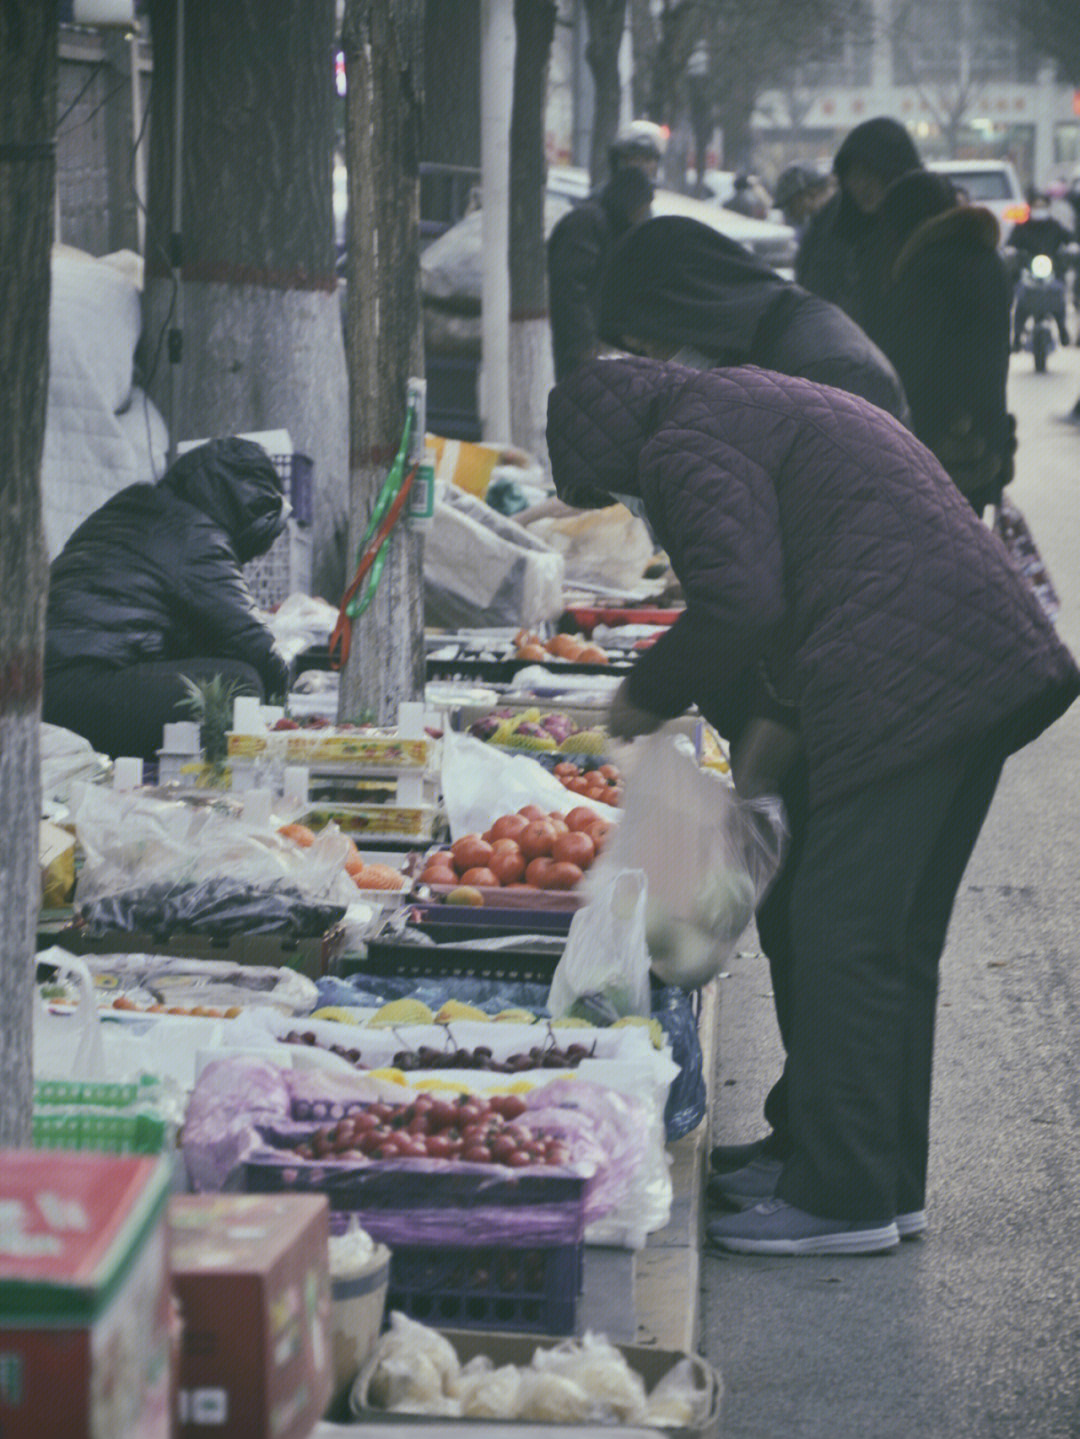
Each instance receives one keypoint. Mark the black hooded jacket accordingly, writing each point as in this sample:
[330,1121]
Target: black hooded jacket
[578,250]
[937,301]
[676,282]
[829,256]
[154,574]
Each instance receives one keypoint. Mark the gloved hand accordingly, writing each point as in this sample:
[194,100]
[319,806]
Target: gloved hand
[626,720]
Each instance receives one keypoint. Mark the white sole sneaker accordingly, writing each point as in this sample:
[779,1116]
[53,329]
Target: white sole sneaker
[912,1224]
[774,1227]
[857,1241]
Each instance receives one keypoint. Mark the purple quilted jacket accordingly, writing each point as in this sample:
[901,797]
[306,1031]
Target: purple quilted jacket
[817,542]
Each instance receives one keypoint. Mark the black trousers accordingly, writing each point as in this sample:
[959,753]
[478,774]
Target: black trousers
[853,929]
[123,712]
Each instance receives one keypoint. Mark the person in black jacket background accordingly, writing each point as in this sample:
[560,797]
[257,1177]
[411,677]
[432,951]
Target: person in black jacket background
[936,298]
[676,289]
[150,587]
[830,255]
[579,246]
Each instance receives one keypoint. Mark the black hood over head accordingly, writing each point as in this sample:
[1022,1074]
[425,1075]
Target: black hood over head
[674,280]
[884,146]
[599,418]
[235,482]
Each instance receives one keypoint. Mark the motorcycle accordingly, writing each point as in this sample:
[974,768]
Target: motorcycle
[1040,299]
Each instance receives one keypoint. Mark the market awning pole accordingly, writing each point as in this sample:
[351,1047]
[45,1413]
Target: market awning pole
[176,258]
[496,94]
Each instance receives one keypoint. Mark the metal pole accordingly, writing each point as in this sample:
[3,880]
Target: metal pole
[496,93]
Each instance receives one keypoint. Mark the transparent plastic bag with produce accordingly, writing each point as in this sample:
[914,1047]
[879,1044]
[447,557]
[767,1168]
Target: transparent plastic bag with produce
[604,970]
[707,855]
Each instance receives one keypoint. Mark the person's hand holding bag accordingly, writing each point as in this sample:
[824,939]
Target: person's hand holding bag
[626,720]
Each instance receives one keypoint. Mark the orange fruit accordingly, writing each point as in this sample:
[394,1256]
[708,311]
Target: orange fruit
[298,833]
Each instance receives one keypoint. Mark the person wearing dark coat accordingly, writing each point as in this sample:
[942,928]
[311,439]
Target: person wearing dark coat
[936,298]
[150,587]
[834,577]
[830,254]
[577,252]
[677,289]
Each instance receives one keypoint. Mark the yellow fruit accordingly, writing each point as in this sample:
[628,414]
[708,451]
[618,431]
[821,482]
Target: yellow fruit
[655,1028]
[455,1009]
[440,1084]
[335,1011]
[515,1016]
[586,741]
[402,1011]
[394,1076]
[465,894]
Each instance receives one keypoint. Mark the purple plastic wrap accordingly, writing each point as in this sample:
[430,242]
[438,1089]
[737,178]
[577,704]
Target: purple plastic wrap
[610,1130]
[230,1098]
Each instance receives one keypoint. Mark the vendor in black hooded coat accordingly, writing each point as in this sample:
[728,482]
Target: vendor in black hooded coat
[936,298]
[675,289]
[831,253]
[150,588]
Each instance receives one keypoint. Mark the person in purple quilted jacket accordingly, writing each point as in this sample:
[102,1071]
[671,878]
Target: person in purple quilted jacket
[861,640]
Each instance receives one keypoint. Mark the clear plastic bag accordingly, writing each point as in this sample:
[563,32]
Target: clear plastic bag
[604,969]
[708,857]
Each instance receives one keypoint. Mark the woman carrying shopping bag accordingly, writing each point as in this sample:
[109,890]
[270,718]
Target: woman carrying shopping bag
[840,588]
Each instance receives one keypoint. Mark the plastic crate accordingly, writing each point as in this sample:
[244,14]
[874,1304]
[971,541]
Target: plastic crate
[530,1290]
[285,569]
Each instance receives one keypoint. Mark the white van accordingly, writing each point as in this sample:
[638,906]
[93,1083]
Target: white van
[993,183]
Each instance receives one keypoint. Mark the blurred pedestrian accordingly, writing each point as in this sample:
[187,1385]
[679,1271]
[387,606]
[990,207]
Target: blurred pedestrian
[581,241]
[749,197]
[831,253]
[840,592]
[935,296]
[150,588]
[677,289]
[800,192]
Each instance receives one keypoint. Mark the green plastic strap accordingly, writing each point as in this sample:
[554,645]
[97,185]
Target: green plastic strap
[391,485]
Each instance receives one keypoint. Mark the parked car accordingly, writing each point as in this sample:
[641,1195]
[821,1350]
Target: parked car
[993,183]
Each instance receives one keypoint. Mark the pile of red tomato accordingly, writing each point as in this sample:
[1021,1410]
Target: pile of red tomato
[603,782]
[531,849]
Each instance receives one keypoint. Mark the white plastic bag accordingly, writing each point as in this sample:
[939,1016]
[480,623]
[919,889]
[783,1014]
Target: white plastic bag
[606,959]
[708,857]
[68,1046]
[480,783]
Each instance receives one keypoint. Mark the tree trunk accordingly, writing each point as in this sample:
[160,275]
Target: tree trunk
[531,364]
[606,19]
[259,311]
[28,61]
[383,43]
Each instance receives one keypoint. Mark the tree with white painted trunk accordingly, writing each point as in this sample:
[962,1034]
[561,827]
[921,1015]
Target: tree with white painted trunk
[531,368]
[257,305]
[28,65]
[383,45]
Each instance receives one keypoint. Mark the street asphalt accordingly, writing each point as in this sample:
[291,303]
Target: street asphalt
[972,1332]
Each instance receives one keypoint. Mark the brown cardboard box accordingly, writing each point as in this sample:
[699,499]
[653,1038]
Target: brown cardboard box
[651,1364]
[250,1272]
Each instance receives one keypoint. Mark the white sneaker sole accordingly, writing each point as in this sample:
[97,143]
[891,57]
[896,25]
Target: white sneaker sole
[911,1225]
[855,1241]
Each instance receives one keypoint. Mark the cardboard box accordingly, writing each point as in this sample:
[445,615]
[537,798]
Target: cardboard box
[651,1364]
[251,1276]
[84,1297]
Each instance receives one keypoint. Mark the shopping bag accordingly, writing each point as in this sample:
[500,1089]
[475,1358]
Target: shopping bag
[604,970]
[1013,531]
[68,1046]
[707,855]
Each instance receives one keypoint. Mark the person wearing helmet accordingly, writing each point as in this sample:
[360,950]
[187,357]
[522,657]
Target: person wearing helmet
[150,588]
[581,241]
[833,249]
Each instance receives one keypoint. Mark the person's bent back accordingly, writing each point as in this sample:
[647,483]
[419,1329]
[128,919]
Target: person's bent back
[150,588]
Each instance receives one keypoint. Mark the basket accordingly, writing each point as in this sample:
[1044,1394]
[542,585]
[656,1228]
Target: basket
[104,1117]
[531,1290]
[285,569]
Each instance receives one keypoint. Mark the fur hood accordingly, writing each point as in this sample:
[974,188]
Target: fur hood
[965,225]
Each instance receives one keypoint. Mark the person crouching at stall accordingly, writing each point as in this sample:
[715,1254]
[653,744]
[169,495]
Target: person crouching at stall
[149,588]
[861,640]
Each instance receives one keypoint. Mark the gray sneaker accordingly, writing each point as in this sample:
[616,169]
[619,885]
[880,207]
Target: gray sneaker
[774,1227]
[912,1224]
[745,1187]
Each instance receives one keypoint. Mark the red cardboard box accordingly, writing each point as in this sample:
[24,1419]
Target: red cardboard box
[84,1297]
[250,1272]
